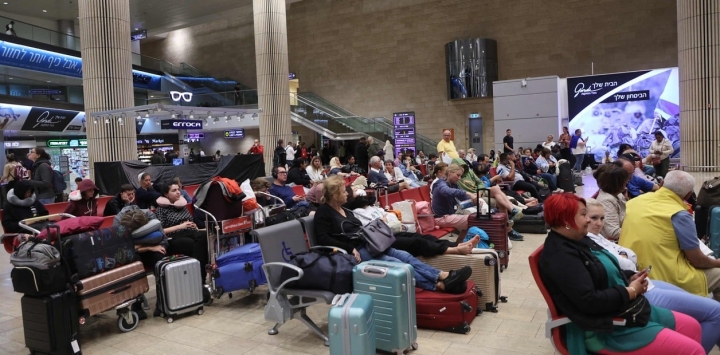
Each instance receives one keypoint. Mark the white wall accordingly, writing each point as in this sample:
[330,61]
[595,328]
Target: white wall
[531,112]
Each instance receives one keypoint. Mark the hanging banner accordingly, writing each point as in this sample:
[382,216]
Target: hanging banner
[612,109]
[48,119]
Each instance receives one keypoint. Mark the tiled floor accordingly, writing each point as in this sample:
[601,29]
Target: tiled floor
[236,326]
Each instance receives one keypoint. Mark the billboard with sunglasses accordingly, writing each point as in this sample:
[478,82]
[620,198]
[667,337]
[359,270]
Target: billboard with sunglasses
[612,109]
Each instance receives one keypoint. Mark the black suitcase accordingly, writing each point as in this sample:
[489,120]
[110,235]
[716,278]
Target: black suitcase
[534,224]
[51,323]
[94,252]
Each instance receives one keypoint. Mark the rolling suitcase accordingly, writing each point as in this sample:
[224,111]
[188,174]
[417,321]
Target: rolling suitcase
[446,311]
[713,229]
[496,226]
[51,323]
[92,253]
[565,178]
[351,328]
[485,274]
[112,288]
[534,224]
[392,287]
[240,269]
[179,286]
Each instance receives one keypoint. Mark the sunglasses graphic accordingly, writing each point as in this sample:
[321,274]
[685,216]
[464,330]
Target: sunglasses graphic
[177,95]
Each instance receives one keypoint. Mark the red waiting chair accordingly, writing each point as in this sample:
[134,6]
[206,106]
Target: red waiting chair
[424,192]
[411,194]
[553,326]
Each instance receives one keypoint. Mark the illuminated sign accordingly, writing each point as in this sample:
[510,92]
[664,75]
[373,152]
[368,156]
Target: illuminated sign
[404,131]
[12,144]
[235,133]
[45,92]
[63,143]
[48,119]
[181,124]
[177,96]
[138,35]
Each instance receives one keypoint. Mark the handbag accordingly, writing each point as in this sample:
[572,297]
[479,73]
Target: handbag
[709,194]
[377,235]
[408,211]
[637,313]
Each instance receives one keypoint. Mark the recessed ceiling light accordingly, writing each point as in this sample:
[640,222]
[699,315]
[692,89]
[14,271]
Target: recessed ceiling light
[49,81]
[136,28]
[4,3]
[44,10]
[10,78]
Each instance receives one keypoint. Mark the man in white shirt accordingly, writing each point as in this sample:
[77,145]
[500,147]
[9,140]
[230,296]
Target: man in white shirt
[660,151]
[420,159]
[290,153]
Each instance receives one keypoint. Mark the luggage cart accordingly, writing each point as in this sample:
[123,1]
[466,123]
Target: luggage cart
[226,224]
[127,320]
[263,213]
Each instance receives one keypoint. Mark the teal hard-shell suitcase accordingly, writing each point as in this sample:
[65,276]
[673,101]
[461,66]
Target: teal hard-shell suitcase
[351,328]
[392,287]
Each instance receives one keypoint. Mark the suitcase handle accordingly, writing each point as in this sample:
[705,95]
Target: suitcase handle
[339,300]
[121,289]
[373,271]
[479,215]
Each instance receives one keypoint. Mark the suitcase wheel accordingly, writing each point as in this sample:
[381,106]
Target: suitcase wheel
[123,324]
[230,295]
[169,320]
[199,311]
[503,299]
[414,346]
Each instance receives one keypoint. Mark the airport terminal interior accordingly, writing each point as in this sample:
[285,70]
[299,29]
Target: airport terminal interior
[544,99]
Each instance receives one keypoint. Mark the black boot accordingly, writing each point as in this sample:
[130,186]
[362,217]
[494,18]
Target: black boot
[137,308]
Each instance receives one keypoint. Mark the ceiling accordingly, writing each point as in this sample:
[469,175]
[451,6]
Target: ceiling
[156,16]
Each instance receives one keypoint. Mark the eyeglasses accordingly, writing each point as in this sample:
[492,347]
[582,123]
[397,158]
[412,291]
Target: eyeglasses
[176,95]
[282,172]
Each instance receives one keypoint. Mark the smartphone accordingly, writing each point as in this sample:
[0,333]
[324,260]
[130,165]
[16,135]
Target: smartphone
[647,270]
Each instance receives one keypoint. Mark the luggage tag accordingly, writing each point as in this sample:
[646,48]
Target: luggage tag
[75,346]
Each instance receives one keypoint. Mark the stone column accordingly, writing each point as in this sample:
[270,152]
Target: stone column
[107,79]
[67,33]
[271,60]
[698,24]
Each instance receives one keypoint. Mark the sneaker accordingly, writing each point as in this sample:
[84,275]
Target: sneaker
[559,191]
[456,279]
[515,214]
[515,236]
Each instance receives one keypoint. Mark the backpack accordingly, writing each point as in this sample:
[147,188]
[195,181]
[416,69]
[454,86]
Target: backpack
[58,184]
[38,270]
[20,172]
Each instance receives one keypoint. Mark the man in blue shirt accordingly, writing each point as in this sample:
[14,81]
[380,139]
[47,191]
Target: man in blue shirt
[637,185]
[377,176]
[284,192]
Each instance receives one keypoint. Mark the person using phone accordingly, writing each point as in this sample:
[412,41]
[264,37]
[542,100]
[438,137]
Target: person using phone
[663,294]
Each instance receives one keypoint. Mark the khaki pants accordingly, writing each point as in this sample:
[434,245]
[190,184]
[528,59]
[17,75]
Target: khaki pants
[713,281]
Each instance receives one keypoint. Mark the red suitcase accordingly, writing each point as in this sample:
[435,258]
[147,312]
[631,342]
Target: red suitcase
[445,311]
[496,226]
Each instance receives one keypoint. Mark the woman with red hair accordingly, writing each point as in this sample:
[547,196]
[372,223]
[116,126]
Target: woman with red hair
[587,285]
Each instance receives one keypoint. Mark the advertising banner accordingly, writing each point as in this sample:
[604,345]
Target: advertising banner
[612,109]
[48,119]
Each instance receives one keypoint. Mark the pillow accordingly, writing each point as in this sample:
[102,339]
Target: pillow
[72,226]
[152,238]
[249,203]
[152,225]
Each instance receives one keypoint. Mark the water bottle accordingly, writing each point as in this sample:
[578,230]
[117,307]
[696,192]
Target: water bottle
[588,170]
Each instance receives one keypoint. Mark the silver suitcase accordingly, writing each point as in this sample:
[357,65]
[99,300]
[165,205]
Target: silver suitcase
[179,286]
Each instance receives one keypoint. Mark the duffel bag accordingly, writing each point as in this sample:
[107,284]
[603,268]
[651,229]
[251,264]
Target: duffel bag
[327,271]
[281,217]
[37,270]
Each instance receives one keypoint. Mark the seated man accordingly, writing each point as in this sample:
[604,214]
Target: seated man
[659,228]
[637,185]
[284,192]
[124,198]
[445,193]
[377,176]
[506,169]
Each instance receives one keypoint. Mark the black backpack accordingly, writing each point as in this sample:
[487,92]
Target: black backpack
[565,178]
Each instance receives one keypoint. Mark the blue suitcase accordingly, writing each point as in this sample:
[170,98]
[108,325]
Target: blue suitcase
[392,287]
[240,269]
[713,230]
[351,329]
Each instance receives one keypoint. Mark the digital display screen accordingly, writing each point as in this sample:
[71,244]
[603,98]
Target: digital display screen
[404,132]
[177,161]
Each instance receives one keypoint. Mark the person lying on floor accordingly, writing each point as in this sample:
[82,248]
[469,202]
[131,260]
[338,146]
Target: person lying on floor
[334,224]
[363,207]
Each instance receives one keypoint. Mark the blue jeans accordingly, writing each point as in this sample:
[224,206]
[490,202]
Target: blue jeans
[578,161]
[551,179]
[705,310]
[649,170]
[426,276]
[45,201]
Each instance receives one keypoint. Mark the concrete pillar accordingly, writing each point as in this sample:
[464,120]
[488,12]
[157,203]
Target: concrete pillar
[107,79]
[698,24]
[271,61]
[67,33]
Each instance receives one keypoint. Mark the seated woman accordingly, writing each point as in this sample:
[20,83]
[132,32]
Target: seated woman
[22,203]
[183,234]
[408,169]
[547,163]
[262,185]
[83,201]
[352,167]
[587,285]
[471,183]
[662,294]
[332,221]
[612,180]
[394,173]
[315,170]
[298,174]
[414,243]
[530,167]
[337,169]
[445,194]
[439,171]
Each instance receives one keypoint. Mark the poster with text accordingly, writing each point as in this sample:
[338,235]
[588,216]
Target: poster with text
[612,109]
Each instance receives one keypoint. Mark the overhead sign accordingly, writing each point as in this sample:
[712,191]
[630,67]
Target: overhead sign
[25,57]
[194,136]
[138,35]
[612,109]
[12,144]
[177,96]
[181,124]
[404,132]
[67,143]
[235,133]
[48,119]
[292,76]
[45,92]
